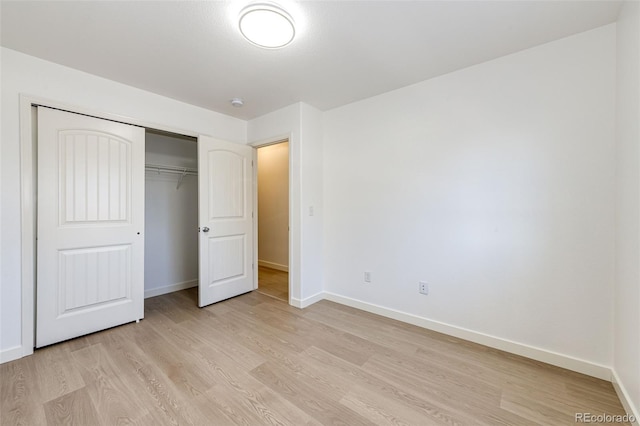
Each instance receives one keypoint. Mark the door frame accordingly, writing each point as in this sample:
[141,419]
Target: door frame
[261,144]
[28,198]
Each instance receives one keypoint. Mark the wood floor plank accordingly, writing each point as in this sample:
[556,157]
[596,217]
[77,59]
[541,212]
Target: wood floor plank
[155,389]
[259,339]
[234,378]
[344,345]
[178,365]
[252,405]
[414,369]
[603,399]
[74,408]
[56,376]
[449,391]
[303,395]
[20,399]
[255,360]
[115,402]
[174,306]
[179,334]
[383,410]
[348,323]
[433,408]
[231,346]
[534,410]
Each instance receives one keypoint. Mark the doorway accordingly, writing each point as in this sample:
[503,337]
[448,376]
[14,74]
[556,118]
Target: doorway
[273,219]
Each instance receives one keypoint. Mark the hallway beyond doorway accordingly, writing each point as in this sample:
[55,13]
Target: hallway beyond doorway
[273,283]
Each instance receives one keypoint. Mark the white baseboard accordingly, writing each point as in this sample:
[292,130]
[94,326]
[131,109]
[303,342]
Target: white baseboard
[11,354]
[272,265]
[303,303]
[549,357]
[152,292]
[628,405]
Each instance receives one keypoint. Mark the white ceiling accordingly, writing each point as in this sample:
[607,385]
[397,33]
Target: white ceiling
[344,51]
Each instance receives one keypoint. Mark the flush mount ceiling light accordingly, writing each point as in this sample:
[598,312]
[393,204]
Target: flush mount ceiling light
[266,25]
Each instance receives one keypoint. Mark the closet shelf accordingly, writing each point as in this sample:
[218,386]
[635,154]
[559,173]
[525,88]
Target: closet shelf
[177,170]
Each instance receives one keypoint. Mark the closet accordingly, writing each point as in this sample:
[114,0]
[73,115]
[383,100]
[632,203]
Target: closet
[171,213]
[125,213]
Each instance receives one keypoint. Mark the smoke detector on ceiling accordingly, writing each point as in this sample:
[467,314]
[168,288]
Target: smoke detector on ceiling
[237,102]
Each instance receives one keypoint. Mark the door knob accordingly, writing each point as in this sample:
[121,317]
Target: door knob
[205,229]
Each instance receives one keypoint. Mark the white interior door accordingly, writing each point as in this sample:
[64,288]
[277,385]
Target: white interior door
[225,175]
[90,248]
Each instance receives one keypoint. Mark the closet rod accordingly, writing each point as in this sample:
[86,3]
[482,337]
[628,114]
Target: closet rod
[177,172]
[182,171]
[160,168]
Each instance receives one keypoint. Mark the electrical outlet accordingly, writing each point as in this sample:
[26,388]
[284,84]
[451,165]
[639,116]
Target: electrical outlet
[423,287]
[367,276]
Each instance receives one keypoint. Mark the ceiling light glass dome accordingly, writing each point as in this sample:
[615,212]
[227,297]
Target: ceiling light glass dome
[266,25]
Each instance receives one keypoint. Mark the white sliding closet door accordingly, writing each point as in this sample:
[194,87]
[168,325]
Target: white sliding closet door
[90,248]
[225,178]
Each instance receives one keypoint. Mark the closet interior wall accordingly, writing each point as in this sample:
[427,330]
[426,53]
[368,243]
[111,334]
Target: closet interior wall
[171,215]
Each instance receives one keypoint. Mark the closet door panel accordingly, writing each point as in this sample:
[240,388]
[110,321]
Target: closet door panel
[225,174]
[90,248]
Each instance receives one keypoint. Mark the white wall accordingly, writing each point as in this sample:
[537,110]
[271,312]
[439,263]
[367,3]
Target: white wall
[273,205]
[626,362]
[495,184]
[23,74]
[301,124]
[171,217]
[311,136]
[3,247]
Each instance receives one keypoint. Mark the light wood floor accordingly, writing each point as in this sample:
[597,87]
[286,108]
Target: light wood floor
[273,283]
[254,360]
